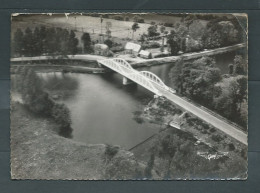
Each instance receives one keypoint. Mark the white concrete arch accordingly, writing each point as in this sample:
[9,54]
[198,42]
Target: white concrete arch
[154,78]
[123,63]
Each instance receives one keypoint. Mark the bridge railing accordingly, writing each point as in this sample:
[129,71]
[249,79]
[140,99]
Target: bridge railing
[123,67]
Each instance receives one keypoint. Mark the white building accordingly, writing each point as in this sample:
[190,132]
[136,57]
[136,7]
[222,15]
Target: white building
[101,49]
[145,54]
[132,48]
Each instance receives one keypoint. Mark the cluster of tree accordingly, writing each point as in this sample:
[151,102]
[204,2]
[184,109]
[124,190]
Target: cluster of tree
[221,33]
[118,17]
[202,82]
[39,41]
[152,31]
[138,19]
[87,44]
[39,102]
[191,34]
[174,155]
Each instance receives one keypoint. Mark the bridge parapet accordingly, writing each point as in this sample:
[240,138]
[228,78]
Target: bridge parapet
[123,63]
[154,78]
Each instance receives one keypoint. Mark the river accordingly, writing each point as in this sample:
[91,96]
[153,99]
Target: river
[102,109]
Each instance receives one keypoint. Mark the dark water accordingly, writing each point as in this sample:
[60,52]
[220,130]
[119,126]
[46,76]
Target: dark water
[102,108]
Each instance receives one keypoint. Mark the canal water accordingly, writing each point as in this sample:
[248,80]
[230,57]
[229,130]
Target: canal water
[102,109]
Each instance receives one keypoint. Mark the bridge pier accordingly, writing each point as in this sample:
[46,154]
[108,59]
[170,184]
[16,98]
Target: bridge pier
[127,81]
[100,65]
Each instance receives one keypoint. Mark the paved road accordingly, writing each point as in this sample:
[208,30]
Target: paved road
[206,116]
[203,114]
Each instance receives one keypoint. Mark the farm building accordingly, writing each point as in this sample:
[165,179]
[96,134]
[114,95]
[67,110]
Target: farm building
[132,48]
[145,54]
[101,49]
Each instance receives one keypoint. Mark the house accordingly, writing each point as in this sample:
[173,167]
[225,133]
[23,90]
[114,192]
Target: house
[132,48]
[145,54]
[101,49]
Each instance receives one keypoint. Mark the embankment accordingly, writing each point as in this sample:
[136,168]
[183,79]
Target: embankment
[186,56]
[38,152]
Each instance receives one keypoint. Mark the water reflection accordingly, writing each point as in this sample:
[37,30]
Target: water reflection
[60,85]
[103,110]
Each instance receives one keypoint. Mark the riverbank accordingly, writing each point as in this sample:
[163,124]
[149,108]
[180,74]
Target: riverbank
[38,152]
[161,111]
[186,56]
[62,68]
[135,62]
[195,139]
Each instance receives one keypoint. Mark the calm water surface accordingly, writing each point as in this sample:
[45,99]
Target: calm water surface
[102,108]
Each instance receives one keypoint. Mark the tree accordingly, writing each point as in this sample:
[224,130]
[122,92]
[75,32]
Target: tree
[86,43]
[109,43]
[239,65]
[28,42]
[37,42]
[108,31]
[176,76]
[18,42]
[220,33]
[135,26]
[228,103]
[173,43]
[72,43]
[152,31]
[143,38]
[61,115]
[51,42]
[242,90]
[162,29]
[32,92]
[43,40]
[230,68]
[189,19]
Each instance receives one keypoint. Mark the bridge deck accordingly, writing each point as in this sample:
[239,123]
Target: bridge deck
[203,114]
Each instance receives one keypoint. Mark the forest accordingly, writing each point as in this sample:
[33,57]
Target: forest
[201,81]
[44,41]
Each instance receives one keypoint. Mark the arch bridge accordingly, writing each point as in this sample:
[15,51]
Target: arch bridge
[144,78]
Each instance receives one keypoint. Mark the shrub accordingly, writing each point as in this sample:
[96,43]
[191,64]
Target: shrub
[111,151]
[231,147]
[139,120]
[41,104]
[61,115]
[217,138]
[168,24]
[212,130]
[140,20]
[151,45]
[109,43]
[117,49]
[118,17]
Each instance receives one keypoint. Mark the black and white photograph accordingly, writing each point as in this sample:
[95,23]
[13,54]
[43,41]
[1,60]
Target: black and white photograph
[129,96]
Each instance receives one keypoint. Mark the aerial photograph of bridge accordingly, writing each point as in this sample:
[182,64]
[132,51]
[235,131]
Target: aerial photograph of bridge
[121,96]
